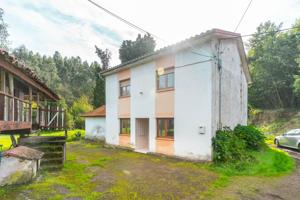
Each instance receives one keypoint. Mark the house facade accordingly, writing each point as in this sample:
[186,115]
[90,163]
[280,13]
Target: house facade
[172,101]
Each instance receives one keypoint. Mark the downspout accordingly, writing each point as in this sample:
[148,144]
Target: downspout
[219,65]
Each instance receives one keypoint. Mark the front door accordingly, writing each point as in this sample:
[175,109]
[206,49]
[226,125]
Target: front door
[142,134]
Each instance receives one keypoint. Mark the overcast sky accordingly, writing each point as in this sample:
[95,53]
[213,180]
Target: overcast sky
[73,27]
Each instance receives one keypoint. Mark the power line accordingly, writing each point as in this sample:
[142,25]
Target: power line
[139,28]
[194,63]
[243,16]
[262,33]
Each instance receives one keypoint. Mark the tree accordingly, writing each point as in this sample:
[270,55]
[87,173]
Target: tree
[133,49]
[79,107]
[272,59]
[104,55]
[4,43]
[99,90]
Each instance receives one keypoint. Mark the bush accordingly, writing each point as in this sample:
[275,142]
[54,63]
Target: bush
[253,138]
[228,147]
[236,145]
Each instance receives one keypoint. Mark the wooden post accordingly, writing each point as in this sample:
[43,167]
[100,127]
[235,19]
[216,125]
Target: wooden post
[30,104]
[38,108]
[11,89]
[3,88]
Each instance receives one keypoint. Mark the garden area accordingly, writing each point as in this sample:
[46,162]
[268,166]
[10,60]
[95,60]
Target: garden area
[93,171]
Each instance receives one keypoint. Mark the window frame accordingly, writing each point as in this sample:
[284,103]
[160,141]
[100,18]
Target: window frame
[121,95]
[127,128]
[166,128]
[167,71]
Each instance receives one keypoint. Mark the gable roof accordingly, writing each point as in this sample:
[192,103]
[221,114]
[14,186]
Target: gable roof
[19,69]
[185,44]
[98,112]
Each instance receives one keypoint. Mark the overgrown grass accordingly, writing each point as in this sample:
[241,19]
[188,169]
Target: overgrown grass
[267,162]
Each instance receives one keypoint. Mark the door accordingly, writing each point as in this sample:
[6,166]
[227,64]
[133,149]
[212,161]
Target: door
[293,139]
[142,133]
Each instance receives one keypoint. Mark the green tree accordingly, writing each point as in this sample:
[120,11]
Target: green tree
[133,49]
[99,90]
[4,43]
[272,59]
[79,107]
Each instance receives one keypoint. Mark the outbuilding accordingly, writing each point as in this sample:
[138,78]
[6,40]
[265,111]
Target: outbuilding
[95,124]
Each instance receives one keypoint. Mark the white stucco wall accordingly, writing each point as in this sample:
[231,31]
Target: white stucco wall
[95,128]
[193,99]
[17,171]
[112,121]
[143,87]
[234,86]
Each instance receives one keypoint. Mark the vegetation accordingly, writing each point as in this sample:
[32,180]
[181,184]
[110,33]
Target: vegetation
[4,43]
[243,151]
[274,65]
[130,50]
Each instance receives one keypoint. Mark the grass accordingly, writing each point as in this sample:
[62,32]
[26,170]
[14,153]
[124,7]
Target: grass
[268,162]
[94,172]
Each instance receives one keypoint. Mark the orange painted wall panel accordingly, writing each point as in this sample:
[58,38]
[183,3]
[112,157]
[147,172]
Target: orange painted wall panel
[124,107]
[165,62]
[164,104]
[124,103]
[123,75]
[124,140]
[165,146]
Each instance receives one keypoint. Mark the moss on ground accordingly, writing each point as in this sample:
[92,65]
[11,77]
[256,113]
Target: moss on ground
[94,172]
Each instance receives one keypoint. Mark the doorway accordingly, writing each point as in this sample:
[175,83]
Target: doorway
[142,134]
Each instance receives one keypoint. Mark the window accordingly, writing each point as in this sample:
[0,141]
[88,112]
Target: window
[165,127]
[125,126]
[165,80]
[125,88]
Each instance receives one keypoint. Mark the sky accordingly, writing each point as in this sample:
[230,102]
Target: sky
[74,27]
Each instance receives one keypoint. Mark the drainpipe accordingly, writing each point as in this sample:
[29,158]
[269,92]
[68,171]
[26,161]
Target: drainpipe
[219,65]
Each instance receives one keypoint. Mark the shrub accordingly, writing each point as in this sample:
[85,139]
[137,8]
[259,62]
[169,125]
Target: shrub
[236,145]
[253,138]
[228,147]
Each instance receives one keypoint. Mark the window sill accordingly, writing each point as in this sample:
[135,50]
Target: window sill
[124,134]
[165,138]
[123,97]
[164,90]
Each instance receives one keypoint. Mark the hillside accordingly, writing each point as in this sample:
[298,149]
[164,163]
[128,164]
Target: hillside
[275,122]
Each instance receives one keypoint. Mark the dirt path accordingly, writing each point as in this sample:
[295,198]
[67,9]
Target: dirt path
[287,188]
[265,188]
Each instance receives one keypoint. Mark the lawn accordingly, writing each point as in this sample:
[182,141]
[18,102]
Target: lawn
[95,172]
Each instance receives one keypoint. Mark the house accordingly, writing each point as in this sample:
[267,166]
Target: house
[26,103]
[172,101]
[95,124]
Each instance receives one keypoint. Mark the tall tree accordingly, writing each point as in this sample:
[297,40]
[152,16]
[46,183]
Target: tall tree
[99,91]
[133,49]
[4,43]
[272,58]
[105,56]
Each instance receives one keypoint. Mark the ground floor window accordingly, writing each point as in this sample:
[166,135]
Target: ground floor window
[125,126]
[165,127]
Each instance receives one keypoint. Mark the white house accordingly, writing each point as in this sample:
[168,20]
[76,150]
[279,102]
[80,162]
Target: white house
[95,124]
[173,100]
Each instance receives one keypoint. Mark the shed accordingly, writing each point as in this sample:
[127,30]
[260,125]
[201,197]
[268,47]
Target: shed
[95,124]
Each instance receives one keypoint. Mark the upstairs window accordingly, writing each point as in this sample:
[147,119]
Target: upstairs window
[125,88]
[165,79]
[165,128]
[125,126]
